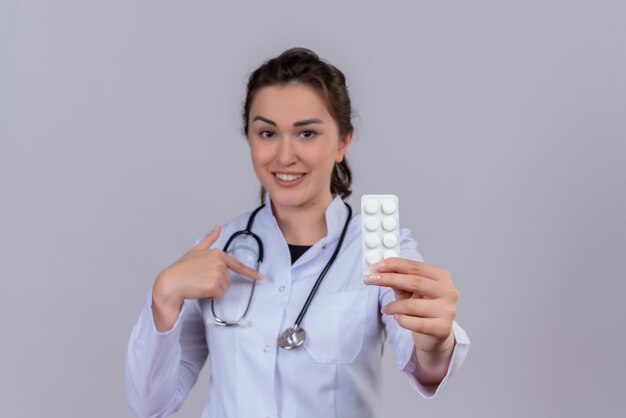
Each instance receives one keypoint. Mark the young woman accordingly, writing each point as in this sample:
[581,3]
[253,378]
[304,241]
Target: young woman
[214,303]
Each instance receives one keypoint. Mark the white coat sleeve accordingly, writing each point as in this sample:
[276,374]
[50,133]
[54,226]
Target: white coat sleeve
[401,339]
[161,367]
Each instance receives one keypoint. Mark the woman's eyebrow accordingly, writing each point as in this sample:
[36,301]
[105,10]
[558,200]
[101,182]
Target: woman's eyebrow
[298,123]
[307,122]
[266,120]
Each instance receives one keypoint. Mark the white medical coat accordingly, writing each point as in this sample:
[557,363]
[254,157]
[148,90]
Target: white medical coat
[337,371]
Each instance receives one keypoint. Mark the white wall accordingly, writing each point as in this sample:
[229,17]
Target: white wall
[501,125]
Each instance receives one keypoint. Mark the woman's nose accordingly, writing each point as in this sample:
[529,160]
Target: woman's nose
[286,152]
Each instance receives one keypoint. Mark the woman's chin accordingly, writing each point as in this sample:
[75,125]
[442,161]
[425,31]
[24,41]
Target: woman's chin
[293,200]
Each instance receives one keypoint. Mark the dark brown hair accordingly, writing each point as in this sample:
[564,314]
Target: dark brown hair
[305,66]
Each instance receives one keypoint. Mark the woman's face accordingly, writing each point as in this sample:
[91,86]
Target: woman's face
[294,144]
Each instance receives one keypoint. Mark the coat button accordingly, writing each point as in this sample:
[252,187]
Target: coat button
[282,289]
[267,348]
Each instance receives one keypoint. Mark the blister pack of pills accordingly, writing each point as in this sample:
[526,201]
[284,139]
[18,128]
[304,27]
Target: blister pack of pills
[380,228]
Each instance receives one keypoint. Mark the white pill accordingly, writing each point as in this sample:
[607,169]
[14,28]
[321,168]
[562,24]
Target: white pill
[389,206]
[372,240]
[371,207]
[390,254]
[390,240]
[389,223]
[380,227]
[373,256]
[371,224]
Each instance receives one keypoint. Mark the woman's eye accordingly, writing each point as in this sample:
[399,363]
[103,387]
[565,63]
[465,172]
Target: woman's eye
[308,134]
[266,134]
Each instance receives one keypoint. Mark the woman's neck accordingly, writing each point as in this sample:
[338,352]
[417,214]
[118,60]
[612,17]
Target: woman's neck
[302,225]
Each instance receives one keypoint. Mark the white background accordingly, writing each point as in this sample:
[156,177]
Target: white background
[501,126]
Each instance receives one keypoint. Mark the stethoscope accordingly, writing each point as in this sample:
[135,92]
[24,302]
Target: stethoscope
[293,336]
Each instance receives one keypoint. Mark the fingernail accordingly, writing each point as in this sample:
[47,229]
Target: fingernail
[371,278]
[395,316]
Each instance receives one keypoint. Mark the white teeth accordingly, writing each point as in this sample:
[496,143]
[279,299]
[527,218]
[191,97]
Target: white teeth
[288,177]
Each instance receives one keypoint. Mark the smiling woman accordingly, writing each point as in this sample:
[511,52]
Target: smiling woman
[294,145]
[297,120]
[303,68]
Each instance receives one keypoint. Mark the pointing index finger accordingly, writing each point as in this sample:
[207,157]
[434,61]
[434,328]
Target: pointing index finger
[241,268]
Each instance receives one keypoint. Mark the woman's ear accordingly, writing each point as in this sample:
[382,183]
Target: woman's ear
[343,146]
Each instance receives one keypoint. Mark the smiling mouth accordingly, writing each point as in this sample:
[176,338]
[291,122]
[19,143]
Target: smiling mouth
[288,177]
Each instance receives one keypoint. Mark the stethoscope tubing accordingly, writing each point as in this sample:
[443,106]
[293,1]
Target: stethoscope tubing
[305,307]
[248,231]
[324,271]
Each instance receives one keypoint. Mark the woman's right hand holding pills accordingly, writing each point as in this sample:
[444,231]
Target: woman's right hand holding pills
[202,272]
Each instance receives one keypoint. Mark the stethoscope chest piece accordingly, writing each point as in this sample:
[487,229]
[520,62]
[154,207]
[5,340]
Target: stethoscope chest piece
[292,337]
